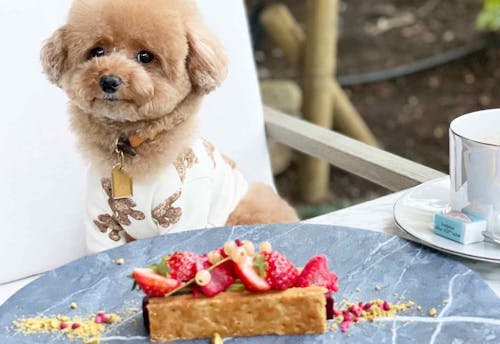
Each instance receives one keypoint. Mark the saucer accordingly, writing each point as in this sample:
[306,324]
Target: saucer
[414,213]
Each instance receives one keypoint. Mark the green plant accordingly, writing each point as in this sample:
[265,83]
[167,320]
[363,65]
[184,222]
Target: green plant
[489,18]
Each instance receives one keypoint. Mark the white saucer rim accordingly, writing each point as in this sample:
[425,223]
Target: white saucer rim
[444,250]
[428,244]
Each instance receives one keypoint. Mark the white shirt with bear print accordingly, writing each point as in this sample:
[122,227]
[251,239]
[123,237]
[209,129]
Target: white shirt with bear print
[200,190]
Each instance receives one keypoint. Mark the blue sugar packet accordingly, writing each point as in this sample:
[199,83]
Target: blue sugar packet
[459,227]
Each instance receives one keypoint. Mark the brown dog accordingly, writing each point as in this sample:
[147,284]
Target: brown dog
[135,73]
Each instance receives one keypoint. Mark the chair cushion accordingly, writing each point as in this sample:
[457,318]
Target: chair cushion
[42,177]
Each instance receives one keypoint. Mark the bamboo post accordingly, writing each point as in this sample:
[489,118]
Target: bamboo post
[319,68]
[287,34]
[284,30]
[348,120]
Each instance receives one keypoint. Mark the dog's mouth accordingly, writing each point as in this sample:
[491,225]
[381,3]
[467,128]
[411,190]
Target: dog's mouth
[112,98]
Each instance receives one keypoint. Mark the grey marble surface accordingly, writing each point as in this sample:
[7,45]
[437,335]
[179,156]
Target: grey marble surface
[362,259]
[377,216]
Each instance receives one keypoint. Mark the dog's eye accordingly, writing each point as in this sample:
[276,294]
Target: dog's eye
[145,57]
[97,52]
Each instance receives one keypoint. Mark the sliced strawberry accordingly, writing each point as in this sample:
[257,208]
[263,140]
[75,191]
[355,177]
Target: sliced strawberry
[250,277]
[182,265]
[316,273]
[202,263]
[153,284]
[222,277]
[281,274]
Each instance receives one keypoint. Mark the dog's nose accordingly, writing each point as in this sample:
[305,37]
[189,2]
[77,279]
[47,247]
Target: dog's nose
[110,83]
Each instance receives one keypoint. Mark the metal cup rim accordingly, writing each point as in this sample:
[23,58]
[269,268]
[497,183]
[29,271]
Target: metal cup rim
[455,133]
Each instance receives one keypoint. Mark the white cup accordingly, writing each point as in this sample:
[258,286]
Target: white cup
[475,167]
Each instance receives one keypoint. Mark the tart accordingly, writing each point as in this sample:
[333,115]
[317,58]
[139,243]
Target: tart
[235,291]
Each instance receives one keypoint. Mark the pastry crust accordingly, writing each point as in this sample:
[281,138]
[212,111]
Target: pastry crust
[290,312]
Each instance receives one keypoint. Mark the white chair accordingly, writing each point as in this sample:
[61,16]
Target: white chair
[42,176]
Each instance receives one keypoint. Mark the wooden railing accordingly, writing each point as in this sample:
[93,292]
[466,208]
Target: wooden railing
[378,166]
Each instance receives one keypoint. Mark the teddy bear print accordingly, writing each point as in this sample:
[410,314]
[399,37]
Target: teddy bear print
[185,162]
[122,209]
[166,214]
[105,222]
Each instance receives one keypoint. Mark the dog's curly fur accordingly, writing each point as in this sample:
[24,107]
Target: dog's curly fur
[162,96]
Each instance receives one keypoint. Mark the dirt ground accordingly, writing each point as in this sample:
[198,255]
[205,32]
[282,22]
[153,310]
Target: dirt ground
[409,115]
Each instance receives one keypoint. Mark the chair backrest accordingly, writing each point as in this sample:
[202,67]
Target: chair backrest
[42,176]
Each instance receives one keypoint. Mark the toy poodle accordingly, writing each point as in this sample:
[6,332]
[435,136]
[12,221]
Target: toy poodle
[135,73]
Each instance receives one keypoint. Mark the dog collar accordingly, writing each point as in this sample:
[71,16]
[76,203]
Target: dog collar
[122,184]
[129,144]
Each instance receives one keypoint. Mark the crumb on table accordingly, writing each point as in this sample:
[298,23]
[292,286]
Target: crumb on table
[86,329]
[352,313]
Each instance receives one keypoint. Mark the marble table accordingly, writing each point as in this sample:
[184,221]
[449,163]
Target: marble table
[377,215]
[467,309]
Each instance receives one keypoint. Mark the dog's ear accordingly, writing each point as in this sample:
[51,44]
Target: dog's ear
[207,63]
[53,55]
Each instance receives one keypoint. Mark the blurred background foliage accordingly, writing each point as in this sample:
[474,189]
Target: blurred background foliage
[489,18]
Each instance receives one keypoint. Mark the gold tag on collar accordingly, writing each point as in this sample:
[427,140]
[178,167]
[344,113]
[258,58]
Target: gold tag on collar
[121,183]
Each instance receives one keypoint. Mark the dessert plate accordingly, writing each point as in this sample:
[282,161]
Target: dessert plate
[414,212]
[362,259]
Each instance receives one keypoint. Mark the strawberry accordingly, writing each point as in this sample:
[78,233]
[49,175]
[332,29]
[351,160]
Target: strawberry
[316,273]
[153,284]
[182,265]
[280,273]
[222,277]
[250,277]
